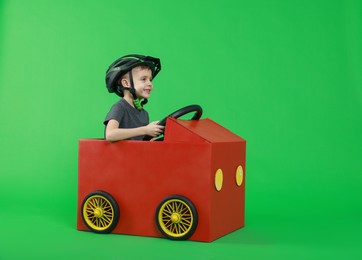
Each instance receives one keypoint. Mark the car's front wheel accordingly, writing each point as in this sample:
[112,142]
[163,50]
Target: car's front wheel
[176,217]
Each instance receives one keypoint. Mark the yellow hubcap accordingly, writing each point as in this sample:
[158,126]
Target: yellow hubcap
[175,218]
[98,212]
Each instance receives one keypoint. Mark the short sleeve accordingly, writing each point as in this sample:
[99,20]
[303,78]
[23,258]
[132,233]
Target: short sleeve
[116,112]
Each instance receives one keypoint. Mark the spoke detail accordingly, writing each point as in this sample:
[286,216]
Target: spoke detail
[175,217]
[98,212]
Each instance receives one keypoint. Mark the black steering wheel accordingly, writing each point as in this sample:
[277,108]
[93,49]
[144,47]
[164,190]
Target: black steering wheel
[181,112]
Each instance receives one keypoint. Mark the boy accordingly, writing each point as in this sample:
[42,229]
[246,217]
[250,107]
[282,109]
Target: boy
[130,77]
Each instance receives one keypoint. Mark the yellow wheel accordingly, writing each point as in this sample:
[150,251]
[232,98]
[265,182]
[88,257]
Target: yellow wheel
[100,212]
[176,217]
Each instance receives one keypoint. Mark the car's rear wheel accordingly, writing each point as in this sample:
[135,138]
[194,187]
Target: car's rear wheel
[100,212]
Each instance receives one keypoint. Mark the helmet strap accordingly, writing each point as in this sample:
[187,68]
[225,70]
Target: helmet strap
[132,89]
[136,101]
[138,104]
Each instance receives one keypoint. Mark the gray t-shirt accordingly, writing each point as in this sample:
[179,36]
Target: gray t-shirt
[127,116]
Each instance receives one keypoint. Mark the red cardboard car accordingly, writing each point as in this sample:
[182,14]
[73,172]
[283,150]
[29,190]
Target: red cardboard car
[190,186]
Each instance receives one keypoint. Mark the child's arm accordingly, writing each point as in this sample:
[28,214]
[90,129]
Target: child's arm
[113,133]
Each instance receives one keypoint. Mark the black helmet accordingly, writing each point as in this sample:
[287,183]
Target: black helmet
[124,64]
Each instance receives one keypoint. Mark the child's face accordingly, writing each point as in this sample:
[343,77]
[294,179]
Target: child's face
[142,79]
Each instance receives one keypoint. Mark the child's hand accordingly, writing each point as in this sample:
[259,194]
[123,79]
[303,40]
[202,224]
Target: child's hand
[153,129]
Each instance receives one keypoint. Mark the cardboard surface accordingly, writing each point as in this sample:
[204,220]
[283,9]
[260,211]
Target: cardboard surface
[139,175]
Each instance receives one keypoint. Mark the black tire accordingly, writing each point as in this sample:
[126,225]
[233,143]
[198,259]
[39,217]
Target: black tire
[100,212]
[176,217]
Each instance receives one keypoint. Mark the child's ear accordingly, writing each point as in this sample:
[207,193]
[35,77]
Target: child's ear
[124,82]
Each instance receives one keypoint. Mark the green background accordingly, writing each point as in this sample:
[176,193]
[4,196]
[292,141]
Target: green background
[284,75]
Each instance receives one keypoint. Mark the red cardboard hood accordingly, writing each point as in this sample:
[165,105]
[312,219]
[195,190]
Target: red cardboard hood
[204,130]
